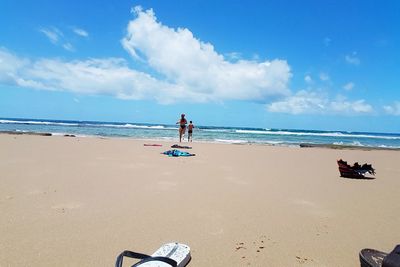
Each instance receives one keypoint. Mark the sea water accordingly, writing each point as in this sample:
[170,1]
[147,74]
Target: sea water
[236,135]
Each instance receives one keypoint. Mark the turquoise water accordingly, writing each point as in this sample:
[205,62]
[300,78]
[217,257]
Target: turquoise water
[202,133]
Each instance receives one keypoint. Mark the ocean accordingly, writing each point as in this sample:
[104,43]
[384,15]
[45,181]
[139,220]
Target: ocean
[234,135]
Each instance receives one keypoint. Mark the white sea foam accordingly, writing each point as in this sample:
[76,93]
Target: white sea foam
[273,142]
[38,122]
[338,143]
[332,134]
[59,134]
[252,132]
[230,141]
[213,134]
[216,130]
[384,146]
[356,143]
[128,125]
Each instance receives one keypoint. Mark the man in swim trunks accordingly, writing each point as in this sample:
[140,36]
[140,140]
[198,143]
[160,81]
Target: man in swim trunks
[182,127]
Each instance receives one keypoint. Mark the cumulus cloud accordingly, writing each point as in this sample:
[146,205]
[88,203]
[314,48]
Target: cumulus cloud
[393,109]
[234,56]
[80,32]
[358,106]
[300,103]
[311,102]
[348,86]
[352,59]
[10,65]
[181,67]
[109,76]
[195,65]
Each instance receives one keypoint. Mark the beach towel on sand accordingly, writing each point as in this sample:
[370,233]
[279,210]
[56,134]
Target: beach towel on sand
[179,146]
[171,254]
[177,153]
[152,144]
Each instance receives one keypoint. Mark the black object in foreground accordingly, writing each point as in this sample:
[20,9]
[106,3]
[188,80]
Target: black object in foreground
[355,171]
[182,147]
[144,258]
[171,254]
[375,258]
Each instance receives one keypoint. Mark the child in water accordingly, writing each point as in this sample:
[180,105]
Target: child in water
[190,131]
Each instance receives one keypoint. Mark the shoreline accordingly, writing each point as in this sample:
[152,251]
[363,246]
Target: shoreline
[350,147]
[301,145]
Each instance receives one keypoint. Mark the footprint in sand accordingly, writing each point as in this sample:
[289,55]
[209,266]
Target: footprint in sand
[258,245]
[322,230]
[39,192]
[63,208]
[240,245]
[303,260]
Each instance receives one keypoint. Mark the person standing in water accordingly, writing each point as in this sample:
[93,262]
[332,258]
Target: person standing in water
[190,131]
[182,127]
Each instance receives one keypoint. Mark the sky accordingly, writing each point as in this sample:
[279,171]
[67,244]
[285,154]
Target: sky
[323,65]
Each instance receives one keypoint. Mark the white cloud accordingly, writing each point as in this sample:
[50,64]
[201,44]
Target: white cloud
[195,65]
[358,106]
[80,32]
[56,37]
[112,76]
[190,69]
[10,65]
[234,56]
[310,102]
[94,76]
[302,102]
[324,77]
[348,86]
[393,109]
[308,79]
[69,47]
[52,33]
[352,59]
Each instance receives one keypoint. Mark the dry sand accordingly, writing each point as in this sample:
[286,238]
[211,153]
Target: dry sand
[81,201]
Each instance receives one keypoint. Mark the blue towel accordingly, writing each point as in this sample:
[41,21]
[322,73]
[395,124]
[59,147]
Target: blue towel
[177,153]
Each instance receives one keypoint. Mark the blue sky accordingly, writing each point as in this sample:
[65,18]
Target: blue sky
[331,65]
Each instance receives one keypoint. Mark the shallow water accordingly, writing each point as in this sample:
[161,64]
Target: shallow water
[237,135]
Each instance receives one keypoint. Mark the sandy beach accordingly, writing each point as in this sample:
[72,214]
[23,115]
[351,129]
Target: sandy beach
[71,201]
